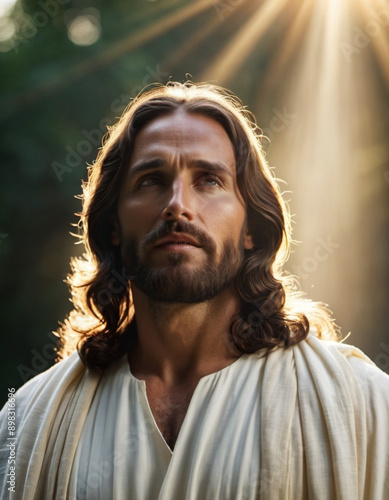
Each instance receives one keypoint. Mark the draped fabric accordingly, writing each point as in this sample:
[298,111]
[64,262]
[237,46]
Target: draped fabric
[306,422]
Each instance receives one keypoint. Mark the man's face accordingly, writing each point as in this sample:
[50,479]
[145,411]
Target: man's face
[181,216]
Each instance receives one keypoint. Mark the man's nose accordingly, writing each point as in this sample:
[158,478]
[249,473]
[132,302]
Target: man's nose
[179,201]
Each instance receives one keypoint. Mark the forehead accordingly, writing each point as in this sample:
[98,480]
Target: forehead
[184,134]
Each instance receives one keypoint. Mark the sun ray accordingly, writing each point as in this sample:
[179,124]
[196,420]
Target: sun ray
[333,151]
[286,52]
[243,43]
[195,40]
[376,23]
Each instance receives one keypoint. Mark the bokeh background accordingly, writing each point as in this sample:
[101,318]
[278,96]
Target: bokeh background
[314,72]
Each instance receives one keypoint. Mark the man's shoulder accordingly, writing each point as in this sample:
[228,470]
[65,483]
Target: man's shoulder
[45,383]
[363,367]
[343,364]
[314,357]
[62,368]
[371,378]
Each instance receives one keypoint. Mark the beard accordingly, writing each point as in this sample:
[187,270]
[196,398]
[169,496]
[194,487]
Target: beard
[176,283]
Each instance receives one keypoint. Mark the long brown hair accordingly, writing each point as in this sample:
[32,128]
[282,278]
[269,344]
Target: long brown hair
[273,312]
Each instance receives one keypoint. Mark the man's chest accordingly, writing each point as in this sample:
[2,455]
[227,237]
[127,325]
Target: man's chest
[169,409]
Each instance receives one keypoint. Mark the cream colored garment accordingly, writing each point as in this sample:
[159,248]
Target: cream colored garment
[308,422]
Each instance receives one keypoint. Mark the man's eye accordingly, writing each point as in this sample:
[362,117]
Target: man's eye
[149,181]
[210,181]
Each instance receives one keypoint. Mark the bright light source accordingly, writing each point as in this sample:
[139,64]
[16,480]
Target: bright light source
[6,7]
[7,29]
[84,30]
[7,25]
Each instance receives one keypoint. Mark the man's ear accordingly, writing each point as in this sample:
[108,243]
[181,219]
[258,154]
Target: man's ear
[248,241]
[115,235]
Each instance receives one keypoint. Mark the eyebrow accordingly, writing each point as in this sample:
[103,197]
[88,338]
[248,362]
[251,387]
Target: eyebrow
[143,165]
[213,166]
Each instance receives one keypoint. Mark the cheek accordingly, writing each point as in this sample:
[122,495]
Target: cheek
[135,218]
[228,221]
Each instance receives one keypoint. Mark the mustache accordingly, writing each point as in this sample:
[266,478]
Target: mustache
[183,226]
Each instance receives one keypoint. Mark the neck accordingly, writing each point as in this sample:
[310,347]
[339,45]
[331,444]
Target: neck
[182,342]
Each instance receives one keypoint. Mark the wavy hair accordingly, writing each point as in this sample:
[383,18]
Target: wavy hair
[273,312]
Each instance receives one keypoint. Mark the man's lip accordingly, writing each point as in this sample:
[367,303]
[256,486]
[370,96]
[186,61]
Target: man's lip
[174,238]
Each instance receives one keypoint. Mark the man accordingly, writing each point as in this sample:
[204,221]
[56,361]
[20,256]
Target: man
[199,373]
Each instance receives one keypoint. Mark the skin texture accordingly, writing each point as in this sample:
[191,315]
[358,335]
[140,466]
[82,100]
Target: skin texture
[180,212]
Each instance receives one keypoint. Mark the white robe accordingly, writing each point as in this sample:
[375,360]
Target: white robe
[307,422]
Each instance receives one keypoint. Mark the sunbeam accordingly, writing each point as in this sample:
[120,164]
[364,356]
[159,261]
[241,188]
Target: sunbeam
[331,153]
[243,42]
